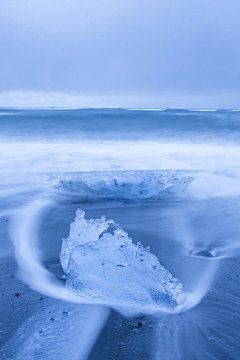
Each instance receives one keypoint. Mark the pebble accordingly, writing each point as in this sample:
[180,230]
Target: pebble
[121,343]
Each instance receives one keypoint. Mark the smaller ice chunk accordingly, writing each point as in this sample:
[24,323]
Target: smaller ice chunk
[99,265]
[130,185]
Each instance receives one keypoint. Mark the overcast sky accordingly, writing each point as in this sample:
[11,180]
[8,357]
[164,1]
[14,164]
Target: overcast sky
[133,53]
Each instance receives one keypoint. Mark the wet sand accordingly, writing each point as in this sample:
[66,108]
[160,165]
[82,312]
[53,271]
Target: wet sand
[36,326]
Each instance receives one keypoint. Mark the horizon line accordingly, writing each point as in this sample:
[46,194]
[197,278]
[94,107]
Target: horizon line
[114,108]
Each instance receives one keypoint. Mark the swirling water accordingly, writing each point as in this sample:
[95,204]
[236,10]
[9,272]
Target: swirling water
[194,233]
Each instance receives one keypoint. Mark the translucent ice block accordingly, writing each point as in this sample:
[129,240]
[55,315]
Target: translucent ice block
[99,265]
[131,185]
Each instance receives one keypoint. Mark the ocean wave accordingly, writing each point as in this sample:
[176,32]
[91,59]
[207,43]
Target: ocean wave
[206,110]
[146,109]
[6,113]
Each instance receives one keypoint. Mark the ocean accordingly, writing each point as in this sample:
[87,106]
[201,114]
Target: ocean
[167,179]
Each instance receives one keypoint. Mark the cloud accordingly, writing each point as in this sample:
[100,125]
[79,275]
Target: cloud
[60,99]
[121,48]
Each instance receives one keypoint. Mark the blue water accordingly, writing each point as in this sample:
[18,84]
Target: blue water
[122,124]
[196,236]
[95,139]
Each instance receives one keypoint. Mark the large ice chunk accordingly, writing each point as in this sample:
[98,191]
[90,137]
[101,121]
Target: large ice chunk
[99,265]
[132,185]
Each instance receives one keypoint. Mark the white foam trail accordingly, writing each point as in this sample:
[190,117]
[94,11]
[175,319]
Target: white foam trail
[188,300]
[24,230]
[88,333]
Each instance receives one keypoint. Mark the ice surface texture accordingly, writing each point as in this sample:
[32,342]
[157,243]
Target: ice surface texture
[99,265]
[131,185]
